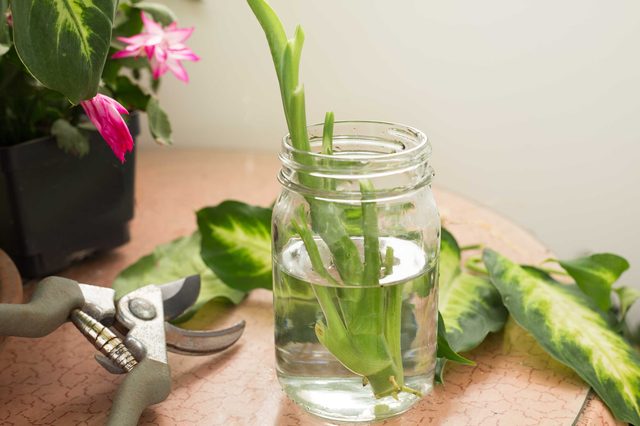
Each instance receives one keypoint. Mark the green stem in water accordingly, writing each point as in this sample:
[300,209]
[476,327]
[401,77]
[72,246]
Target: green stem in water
[362,327]
[327,134]
[327,147]
[311,246]
[389,260]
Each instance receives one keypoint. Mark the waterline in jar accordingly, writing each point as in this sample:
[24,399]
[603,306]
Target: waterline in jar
[310,374]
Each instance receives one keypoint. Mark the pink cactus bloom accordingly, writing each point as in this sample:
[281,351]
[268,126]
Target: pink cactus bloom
[105,112]
[164,47]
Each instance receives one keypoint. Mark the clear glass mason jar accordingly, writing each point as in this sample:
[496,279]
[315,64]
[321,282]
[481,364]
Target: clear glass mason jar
[356,237]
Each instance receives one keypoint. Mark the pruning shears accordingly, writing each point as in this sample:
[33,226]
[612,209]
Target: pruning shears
[132,334]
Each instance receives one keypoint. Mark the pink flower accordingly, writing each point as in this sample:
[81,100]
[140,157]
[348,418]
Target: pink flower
[164,47]
[9,18]
[105,112]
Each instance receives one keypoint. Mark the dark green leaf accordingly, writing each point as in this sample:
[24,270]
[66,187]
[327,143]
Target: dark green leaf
[159,12]
[64,44]
[130,94]
[159,124]
[113,67]
[127,22]
[236,244]
[69,138]
[444,349]
[569,326]
[596,274]
[171,261]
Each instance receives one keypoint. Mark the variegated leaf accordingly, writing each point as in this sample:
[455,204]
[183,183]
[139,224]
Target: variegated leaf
[449,265]
[471,308]
[569,326]
[64,43]
[171,261]
[596,274]
[236,243]
[470,305]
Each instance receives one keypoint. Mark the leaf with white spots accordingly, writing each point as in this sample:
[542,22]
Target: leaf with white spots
[570,327]
[236,243]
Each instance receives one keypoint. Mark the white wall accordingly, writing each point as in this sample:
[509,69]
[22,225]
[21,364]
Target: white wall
[533,107]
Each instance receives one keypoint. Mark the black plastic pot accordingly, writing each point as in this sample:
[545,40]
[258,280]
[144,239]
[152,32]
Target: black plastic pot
[56,208]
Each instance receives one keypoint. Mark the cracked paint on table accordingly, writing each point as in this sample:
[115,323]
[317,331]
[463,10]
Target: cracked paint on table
[55,380]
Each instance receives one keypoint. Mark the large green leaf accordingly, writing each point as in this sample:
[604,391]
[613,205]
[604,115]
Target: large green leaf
[569,326]
[236,243]
[171,261]
[596,274]
[470,305]
[64,43]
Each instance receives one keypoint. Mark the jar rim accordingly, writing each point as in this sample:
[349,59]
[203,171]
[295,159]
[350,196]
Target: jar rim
[394,157]
[421,146]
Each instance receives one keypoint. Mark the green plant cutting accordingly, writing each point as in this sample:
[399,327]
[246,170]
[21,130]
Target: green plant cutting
[63,62]
[361,326]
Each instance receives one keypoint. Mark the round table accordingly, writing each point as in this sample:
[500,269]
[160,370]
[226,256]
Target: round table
[55,380]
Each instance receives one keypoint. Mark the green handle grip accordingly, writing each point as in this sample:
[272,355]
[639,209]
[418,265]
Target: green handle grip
[53,300]
[148,383]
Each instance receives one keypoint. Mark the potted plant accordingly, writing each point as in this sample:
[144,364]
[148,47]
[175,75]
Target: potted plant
[68,74]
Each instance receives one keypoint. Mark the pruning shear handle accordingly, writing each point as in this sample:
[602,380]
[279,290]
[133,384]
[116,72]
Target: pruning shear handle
[141,353]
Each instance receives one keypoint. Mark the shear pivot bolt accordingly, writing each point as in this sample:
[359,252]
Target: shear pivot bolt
[142,309]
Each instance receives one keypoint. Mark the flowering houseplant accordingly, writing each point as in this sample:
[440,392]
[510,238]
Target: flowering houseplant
[69,71]
[96,54]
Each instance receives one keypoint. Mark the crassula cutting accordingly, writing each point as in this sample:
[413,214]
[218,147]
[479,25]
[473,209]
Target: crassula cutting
[105,56]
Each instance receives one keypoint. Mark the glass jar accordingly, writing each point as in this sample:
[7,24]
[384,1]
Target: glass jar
[356,236]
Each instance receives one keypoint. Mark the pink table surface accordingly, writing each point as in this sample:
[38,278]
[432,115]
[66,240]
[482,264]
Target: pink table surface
[54,380]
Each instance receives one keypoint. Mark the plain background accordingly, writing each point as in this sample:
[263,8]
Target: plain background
[532,108]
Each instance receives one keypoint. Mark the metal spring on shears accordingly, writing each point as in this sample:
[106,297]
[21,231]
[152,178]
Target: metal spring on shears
[103,339]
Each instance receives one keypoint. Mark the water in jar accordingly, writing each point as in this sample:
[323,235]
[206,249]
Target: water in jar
[400,312]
